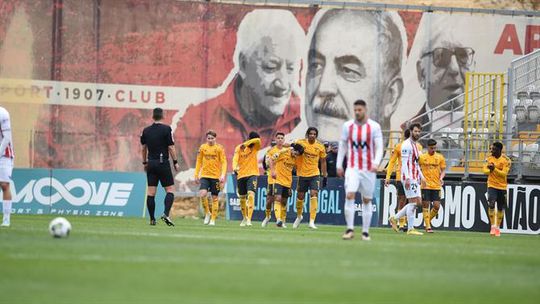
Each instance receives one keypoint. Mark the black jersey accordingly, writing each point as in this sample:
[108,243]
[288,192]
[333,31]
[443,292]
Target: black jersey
[157,138]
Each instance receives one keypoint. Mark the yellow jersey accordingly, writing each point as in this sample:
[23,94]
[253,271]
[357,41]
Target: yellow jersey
[273,150]
[245,159]
[211,161]
[307,164]
[395,161]
[432,166]
[498,177]
[284,163]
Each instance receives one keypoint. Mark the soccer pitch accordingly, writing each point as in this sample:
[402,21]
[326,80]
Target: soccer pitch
[118,260]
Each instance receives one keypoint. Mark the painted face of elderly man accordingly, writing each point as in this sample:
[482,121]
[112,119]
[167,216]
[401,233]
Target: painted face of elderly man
[353,55]
[268,59]
[441,68]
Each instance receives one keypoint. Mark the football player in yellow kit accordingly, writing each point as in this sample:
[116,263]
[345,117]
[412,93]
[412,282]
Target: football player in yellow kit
[432,165]
[497,167]
[279,140]
[210,171]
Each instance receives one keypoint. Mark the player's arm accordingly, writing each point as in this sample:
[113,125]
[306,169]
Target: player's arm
[256,142]
[172,150]
[144,151]
[235,159]
[379,150]
[223,160]
[322,160]
[405,170]
[504,171]
[272,163]
[485,168]
[442,165]
[5,126]
[198,164]
[391,164]
[342,150]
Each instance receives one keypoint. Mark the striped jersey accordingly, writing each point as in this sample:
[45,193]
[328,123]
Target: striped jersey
[410,169]
[363,144]
[6,145]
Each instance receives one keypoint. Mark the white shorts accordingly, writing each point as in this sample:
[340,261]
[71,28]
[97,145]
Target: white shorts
[414,190]
[360,181]
[6,169]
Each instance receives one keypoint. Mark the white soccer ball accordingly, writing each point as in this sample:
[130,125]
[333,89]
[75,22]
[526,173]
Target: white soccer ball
[59,227]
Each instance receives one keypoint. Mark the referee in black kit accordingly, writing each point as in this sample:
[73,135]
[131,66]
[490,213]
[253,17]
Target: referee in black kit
[157,144]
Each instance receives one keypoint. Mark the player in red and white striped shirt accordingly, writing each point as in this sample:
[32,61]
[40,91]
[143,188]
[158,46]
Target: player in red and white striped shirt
[6,164]
[411,177]
[362,141]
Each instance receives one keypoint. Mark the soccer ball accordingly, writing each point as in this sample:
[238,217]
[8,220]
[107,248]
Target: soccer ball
[59,227]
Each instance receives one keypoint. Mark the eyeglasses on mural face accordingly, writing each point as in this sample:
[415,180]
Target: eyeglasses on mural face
[442,56]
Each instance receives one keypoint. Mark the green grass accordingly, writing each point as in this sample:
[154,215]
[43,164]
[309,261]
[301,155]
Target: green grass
[115,260]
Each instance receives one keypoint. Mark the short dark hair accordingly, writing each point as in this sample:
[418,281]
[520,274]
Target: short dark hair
[253,135]
[415,125]
[157,114]
[298,148]
[211,132]
[280,133]
[406,133]
[312,129]
[431,142]
[498,144]
[360,102]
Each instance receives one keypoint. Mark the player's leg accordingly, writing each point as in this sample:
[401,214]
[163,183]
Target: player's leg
[242,195]
[269,202]
[426,201]
[492,199]
[402,201]
[214,190]
[6,203]
[416,202]
[501,207]
[367,187]
[351,186]
[153,181]
[251,189]
[314,185]
[167,181]
[285,194]
[301,188]
[402,213]
[203,196]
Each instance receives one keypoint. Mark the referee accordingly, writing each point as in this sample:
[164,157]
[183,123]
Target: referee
[157,144]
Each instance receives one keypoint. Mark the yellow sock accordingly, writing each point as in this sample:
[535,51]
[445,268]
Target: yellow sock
[284,212]
[299,207]
[491,213]
[204,202]
[433,214]
[500,216]
[313,202]
[427,221]
[215,208]
[277,209]
[250,204]
[243,205]
[402,222]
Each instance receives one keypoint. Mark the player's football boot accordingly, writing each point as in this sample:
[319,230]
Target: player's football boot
[248,223]
[312,225]
[348,235]
[212,223]
[497,231]
[429,230]
[279,224]
[492,231]
[414,232]
[365,236]
[297,222]
[167,220]
[393,222]
[265,222]
[207,218]
[243,223]
[153,222]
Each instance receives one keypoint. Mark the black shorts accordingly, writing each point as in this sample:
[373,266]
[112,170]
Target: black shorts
[270,190]
[247,183]
[305,183]
[399,186]
[431,195]
[285,192]
[498,196]
[210,184]
[159,172]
